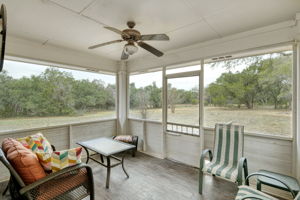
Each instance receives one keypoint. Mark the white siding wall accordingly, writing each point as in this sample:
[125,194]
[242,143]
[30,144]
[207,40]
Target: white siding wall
[64,137]
[152,143]
[262,152]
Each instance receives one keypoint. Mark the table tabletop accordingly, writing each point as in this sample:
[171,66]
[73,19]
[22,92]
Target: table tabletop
[106,146]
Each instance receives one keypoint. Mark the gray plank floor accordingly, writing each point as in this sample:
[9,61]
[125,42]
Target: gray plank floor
[154,179]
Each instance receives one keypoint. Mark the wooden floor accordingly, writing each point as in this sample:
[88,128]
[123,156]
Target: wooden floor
[153,178]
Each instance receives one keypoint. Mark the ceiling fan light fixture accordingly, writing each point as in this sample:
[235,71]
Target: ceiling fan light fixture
[130,49]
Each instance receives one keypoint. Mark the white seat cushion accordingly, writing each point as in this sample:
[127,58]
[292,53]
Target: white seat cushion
[222,170]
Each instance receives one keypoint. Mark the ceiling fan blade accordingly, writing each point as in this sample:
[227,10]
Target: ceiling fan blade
[103,44]
[150,49]
[155,37]
[116,31]
[124,55]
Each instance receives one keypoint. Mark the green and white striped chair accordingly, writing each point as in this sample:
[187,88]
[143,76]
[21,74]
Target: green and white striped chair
[228,161]
[249,193]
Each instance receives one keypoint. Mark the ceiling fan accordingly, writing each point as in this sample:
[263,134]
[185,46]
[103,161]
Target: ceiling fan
[132,37]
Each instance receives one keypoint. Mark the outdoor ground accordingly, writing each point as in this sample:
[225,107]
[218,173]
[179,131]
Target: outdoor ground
[266,121]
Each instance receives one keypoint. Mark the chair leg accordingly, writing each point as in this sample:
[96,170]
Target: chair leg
[133,152]
[200,181]
[246,173]
[258,185]
[5,191]
[6,188]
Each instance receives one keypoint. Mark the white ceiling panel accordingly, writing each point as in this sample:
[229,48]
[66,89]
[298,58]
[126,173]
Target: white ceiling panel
[76,5]
[55,25]
[78,24]
[198,32]
[205,8]
[153,16]
[247,15]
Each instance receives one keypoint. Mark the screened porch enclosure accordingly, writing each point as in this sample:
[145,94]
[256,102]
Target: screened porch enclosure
[241,75]
[176,128]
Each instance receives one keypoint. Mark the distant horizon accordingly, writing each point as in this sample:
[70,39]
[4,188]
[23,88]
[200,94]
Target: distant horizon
[19,70]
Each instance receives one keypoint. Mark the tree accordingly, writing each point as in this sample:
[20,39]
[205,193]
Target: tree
[143,101]
[154,95]
[52,93]
[264,81]
[276,80]
[173,98]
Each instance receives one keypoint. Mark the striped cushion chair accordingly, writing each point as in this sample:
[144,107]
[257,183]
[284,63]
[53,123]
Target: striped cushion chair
[228,161]
[247,192]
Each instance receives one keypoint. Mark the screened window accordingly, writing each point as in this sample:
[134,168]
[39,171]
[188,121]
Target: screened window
[255,92]
[36,96]
[183,100]
[145,93]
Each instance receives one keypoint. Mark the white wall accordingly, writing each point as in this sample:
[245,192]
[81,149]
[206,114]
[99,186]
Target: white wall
[150,136]
[262,152]
[57,56]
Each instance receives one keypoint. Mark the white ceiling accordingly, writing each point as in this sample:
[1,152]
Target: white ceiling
[78,24]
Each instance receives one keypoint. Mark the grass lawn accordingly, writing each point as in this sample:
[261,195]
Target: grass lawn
[34,122]
[266,121]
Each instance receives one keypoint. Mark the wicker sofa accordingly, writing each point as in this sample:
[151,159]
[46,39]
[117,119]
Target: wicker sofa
[75,182]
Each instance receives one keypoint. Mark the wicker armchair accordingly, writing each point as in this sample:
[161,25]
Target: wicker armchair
[74,182]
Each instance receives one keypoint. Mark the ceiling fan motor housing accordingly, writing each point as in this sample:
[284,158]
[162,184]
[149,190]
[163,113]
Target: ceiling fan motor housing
[134,35]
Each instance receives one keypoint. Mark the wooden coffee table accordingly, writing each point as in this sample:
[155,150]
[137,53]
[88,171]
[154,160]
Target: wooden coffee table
[106,147]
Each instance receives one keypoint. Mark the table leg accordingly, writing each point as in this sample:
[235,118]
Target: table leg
[87,154]
[101,157]
[123,166]
[108,171]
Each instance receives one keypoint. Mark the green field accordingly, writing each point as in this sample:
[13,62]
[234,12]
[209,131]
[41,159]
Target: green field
[265,121]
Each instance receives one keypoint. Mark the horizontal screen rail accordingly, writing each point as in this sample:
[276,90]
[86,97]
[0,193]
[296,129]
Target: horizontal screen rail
[183,129]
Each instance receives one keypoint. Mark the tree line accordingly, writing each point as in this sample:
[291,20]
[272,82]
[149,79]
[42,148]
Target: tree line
[144,98]
[266,81]
[53,93]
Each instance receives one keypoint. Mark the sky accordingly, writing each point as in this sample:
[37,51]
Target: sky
[20,69]
[210,75]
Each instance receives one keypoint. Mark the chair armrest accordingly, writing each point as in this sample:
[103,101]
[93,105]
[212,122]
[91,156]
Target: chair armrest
[58,174]
[53,147]
[254,196]
[203,155]
[274,178]
[242,165]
